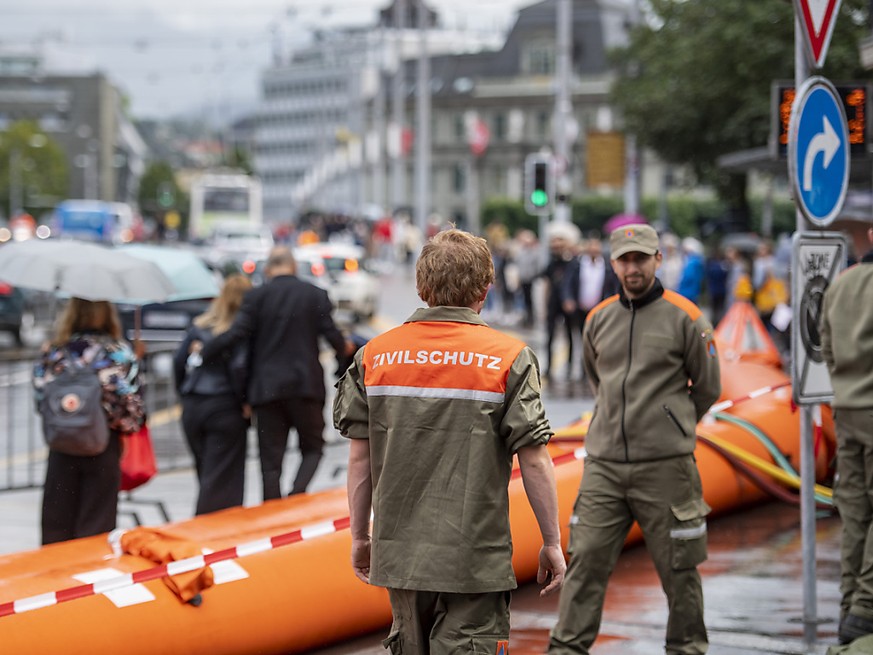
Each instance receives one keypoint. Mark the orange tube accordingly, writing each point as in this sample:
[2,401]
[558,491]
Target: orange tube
[304,595]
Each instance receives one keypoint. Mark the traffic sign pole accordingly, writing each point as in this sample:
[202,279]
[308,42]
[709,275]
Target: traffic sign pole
[807,454]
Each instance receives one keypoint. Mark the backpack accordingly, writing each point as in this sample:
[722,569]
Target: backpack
[73,419]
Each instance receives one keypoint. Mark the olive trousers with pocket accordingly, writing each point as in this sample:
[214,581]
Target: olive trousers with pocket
[853,496]
[440,623]
[666,499]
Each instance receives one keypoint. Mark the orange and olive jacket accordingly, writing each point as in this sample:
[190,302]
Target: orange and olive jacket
[653,365]
[445,402]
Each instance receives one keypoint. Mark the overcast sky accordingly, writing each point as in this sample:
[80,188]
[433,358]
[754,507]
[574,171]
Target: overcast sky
[201,56]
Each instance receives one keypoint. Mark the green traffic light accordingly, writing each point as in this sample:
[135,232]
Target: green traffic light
[539,198]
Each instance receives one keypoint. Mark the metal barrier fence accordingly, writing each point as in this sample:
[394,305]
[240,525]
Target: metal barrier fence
[22,450]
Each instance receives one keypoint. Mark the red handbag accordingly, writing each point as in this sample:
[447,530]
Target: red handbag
[138,464]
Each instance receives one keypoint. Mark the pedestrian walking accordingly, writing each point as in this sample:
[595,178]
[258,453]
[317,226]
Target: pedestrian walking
[847,347]
[563,238]
[281,322]
[650,356]
[528,259]
[589,280]
[215,414]
[80,494]
[435,410]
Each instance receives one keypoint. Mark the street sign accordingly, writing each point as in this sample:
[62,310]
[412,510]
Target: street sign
[817,258]
[818,151]
[817,18]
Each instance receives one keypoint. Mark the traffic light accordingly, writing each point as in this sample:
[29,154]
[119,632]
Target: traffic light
[539,184]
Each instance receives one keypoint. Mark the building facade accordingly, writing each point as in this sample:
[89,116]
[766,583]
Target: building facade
[328,139]
[84,114]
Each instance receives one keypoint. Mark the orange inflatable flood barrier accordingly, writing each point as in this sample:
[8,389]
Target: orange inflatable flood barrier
[281,576]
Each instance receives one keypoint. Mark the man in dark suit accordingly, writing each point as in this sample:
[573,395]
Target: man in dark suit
[589,279]
[282,321]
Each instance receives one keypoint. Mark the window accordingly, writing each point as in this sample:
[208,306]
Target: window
[459,178]
[500,126]
[539,57]
[460,127]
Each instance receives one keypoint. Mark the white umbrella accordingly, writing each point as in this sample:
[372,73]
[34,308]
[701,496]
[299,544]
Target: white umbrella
[84,270]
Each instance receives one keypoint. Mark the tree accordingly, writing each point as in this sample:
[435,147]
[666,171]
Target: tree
[159,193]
[158,190]
[33,169]
[694,81]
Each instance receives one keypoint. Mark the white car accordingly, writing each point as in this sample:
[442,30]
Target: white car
[241,241]
[350,285]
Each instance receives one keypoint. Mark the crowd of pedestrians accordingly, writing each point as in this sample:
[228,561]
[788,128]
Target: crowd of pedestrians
[552,287]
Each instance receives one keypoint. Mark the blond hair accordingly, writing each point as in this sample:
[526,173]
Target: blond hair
[455,269]
[82,315]
[219,316]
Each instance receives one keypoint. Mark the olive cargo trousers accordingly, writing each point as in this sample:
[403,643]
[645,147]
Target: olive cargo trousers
[853,495]
[440,623]
[666,498]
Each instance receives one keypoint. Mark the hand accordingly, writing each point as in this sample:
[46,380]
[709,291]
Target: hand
[246,411]
[551,570]
[351,348]
[195,347]
[361,559]
[569,306]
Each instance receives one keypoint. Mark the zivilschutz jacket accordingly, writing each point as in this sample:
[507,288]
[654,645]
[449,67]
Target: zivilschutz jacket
[445,401]
[654,367]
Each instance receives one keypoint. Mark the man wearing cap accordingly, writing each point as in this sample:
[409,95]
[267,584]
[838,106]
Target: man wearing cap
[650,357]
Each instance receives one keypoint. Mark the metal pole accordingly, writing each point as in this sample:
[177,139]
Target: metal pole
[379,121]
[807,456]
[422,136]
[398,109]
[631,152]
[564,29]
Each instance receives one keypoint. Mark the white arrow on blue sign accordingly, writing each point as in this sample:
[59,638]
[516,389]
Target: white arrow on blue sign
[818,151]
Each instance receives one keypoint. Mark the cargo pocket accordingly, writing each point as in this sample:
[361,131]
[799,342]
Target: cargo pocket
[688,533]
[489,645]
[392,643]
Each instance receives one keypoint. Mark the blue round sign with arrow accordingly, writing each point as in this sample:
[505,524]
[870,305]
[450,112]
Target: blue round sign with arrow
[818,151]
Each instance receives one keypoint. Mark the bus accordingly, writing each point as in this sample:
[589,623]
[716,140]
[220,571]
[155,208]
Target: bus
[95,220]
[223,199]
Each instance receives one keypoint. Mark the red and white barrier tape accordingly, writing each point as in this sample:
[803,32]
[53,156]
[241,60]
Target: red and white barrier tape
[172,568]
[193,563]
[757,393]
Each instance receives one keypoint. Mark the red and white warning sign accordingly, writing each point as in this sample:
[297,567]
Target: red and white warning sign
[817,17]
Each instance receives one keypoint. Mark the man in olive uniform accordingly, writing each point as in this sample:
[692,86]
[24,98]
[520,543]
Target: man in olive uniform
[435,410]
[651,360]
[847,347]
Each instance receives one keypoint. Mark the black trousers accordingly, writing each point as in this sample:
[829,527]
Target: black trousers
[554,314]
[274,420]
[216,433]
[80,495]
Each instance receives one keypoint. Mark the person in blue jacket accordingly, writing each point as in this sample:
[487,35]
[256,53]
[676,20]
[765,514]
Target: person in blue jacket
[691,283]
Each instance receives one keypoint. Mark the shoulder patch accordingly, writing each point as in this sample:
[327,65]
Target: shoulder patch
[683,303]
[601,305]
